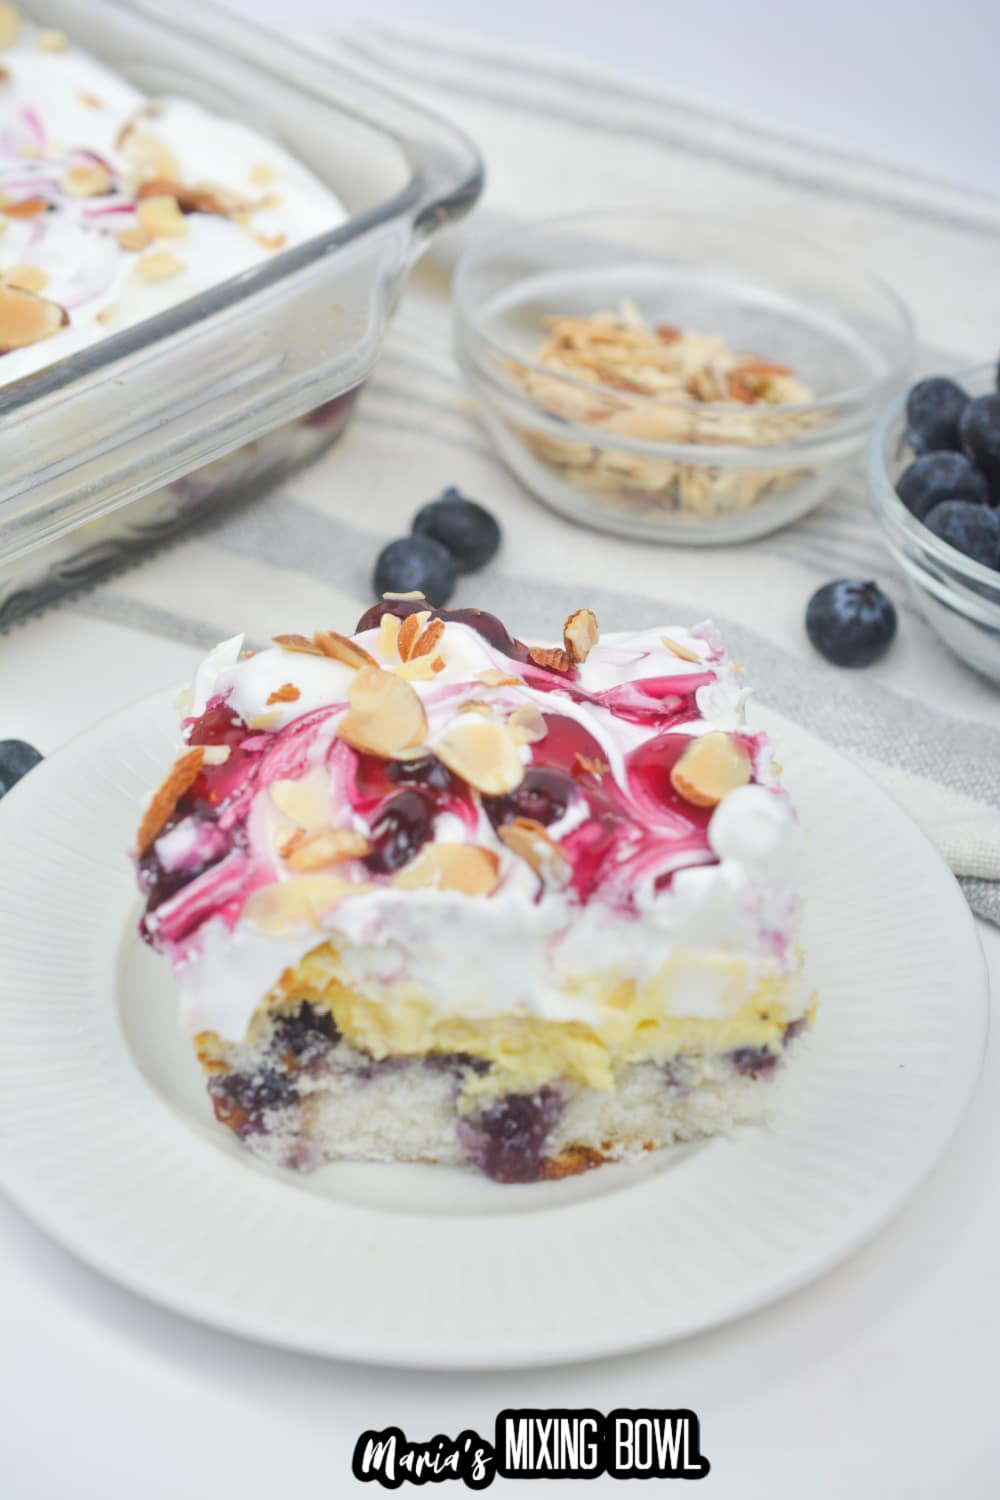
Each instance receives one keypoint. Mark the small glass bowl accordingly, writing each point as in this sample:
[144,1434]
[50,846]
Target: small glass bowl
[959,597]
[668,470]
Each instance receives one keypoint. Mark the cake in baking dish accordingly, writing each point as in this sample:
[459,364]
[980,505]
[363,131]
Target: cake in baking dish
[432,894]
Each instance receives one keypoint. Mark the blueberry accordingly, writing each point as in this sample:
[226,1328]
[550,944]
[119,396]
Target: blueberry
[980,433]
[469,532]
[426,771]
[970,528]
[937,477]
[16,759]
[754,1062]
[543,795]
[508,1140]
[307,1030]
[933,409]
[851,623]
[400,831]
[243,1100]
[492,630]
[416,562]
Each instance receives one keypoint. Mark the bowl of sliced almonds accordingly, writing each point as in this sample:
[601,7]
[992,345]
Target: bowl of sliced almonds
[679,377]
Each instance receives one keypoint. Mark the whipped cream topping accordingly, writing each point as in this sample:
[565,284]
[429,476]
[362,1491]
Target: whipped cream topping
[587,863]
[81,154]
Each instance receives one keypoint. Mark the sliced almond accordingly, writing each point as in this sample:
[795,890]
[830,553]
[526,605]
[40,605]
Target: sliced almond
[428,640]
[26,318]
[286,693]
[740,388]
[271,242]
[292,905]
[552,658]
[148,154]
[10,25]
[160,215]
[413,594]
[419,668]
[467,868]
[262,174]
[26,208]
[484,754]
[89,101]
[493,677]
[86,180]
[134,237]
[311,851]
[215,755]
[409,632]
[580,635]
[190,200]
[752,366]
[182,775]
[712,765]
[385,717]
[300,643]
[106,314]
[159,265]
[528,724]
[341,648]
[388,636]
[530,841]
[684,652]
[52,41]
[28,278]
[304,799]
[268,718]
[477,706]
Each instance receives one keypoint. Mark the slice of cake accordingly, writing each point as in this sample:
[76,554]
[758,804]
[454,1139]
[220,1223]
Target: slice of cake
[435,895]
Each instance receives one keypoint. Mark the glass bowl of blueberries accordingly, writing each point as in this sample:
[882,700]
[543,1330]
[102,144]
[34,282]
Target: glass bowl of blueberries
[934,480]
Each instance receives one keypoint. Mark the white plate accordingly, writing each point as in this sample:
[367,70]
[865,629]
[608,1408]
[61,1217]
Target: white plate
[109,1143]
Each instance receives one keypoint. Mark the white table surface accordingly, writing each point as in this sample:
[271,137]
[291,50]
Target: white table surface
[881,1379]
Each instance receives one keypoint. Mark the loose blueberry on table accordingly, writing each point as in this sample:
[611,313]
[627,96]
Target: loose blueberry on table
[449,535]
[850,622]
[468,530]
[416,563]
[17,758]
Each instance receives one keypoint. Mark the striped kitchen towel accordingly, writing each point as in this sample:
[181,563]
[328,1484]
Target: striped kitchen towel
[556,137]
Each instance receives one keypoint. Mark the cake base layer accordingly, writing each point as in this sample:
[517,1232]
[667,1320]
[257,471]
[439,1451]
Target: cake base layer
[301,1095]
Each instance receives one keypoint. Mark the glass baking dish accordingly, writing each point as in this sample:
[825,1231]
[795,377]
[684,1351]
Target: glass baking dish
[119,445]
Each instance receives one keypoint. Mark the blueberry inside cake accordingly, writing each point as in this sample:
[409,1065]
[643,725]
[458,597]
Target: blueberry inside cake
[432,894]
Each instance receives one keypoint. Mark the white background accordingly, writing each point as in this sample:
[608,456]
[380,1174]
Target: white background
[847,1388]
[911,81]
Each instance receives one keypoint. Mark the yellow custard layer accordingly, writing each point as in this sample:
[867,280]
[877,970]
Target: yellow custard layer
[631,1022]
